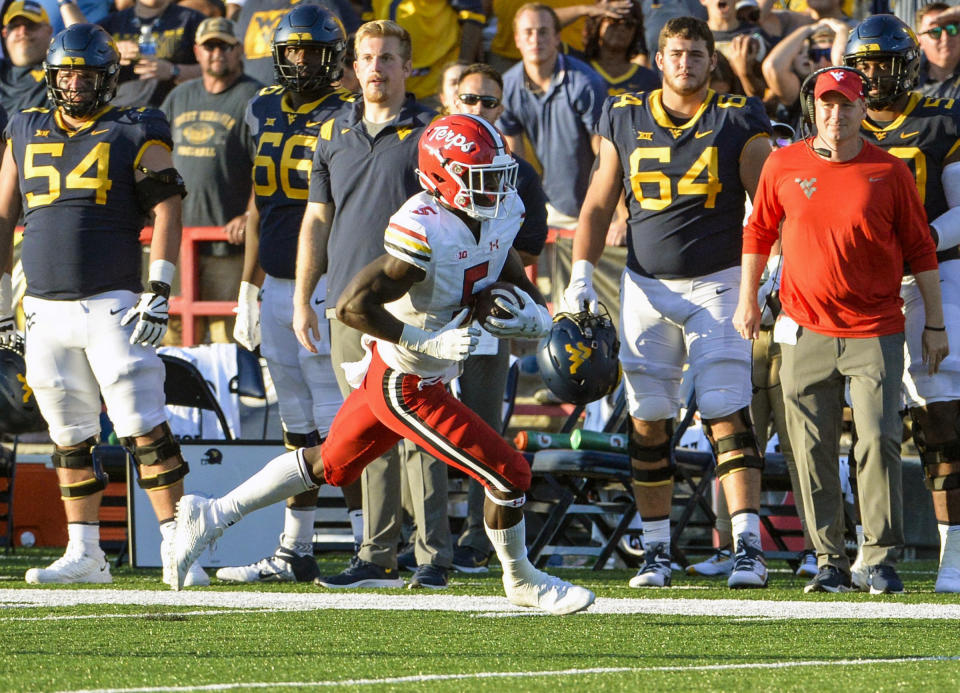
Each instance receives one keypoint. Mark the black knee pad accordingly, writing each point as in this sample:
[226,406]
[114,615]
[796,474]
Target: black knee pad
[643,476]
[80,458]
[293,441]
[933,455]
[741,440]
[159,450]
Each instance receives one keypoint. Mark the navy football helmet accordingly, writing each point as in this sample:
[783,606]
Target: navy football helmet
[86,47]
[885,37]
[309,26]
[579,358]
[19,412]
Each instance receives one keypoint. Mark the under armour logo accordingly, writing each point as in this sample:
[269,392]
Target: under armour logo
[495,245]
[808,186]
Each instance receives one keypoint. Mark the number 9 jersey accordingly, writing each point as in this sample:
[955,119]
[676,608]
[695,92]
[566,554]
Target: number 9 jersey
[682,180]
[81,217]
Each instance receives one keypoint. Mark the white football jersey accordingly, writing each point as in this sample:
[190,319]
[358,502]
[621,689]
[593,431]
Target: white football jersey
[433,238]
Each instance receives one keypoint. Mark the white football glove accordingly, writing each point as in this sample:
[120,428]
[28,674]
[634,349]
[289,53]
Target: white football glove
[580,294]
[152,314]
[530,319]
[246,331]
[450,342]
[8,328]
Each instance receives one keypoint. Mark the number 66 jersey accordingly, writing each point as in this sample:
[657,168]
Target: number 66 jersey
[682,180]
[81,217]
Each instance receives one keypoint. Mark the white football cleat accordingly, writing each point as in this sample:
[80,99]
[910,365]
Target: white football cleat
[749,565]
[553,595]
[720,563]
[657,571]
[75,566]
[196,576]
[195,531]
[284,565]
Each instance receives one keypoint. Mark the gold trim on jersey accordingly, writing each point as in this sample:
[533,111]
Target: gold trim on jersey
[897,122]
[145,146]
[610,79]
[85,125]
[307,107]
[662,118]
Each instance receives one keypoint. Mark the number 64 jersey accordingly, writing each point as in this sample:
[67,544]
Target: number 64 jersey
[457,265]
[682,180]
[81,218]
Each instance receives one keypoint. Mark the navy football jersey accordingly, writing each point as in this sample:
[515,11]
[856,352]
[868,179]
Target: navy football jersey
[682,180]
[637,78]
[81,218]
[924,135]
[284,140]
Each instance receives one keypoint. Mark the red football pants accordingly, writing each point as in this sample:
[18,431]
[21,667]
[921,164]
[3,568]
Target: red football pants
[391,405]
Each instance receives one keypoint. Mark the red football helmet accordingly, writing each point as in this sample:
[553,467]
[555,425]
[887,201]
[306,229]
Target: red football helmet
[464,162]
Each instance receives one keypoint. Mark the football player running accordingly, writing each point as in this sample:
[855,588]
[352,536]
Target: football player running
[284,120]
[86,175]
[685,156]
[925,133]
[444,245]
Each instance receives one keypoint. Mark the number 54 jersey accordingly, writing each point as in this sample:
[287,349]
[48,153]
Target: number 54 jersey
[81,218]
[682,180]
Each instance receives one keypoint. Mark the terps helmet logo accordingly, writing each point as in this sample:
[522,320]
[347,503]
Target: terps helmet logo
[212,456]
[578,355]
[450,138]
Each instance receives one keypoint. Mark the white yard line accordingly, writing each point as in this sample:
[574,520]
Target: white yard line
[279,601]
[426,678]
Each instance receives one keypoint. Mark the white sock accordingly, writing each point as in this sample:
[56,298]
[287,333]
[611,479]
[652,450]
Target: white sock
[356,524]
[859,538]
[656,532]
[745,525]
[86,534]
[949,546]
[298,530]
[167,530]
[511,548]
[281,478]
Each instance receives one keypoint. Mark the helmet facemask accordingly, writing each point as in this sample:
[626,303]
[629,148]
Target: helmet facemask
[309,76]
[888,87]
[483,186]
[81,103]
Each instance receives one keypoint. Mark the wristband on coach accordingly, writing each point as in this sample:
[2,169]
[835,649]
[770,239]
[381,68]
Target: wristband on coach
[935,329]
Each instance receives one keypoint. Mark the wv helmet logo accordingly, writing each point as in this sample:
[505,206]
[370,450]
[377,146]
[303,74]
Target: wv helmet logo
[578,355]
[808,186]
[212,456]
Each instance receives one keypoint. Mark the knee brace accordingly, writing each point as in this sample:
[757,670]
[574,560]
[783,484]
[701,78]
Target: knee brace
[740,440]
[165,447]
[639,452]
[80,458]
[933,455]
[506,502]
[292,441]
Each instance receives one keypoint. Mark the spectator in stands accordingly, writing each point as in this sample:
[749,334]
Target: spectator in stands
[211,151]
[93,10]
[449,84]
[555,101]
[255,23]
[610,44]
[779,23]
[938,28]
[742,42]
[26,38]
[503,48]
[656,13]
[441,32]
[155,39]
[484,376]
[208,8]
[364,169]
[808,48]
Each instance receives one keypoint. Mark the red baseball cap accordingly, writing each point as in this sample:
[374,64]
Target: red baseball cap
[845,82]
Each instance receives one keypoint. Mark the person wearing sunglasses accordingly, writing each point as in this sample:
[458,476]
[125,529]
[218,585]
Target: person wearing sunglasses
[938,30]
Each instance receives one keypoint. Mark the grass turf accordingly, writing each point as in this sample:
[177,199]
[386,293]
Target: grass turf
[127,646]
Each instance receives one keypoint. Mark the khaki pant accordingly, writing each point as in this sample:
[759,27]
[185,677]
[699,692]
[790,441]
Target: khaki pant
[813,374]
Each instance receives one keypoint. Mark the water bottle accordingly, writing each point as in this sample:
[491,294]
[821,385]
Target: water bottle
[531,441]
[147,41]
[595,440]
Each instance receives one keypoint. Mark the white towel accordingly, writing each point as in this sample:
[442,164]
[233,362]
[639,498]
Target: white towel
[218,365]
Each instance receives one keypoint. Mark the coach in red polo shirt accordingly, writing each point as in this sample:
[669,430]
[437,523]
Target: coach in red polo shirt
[851,217]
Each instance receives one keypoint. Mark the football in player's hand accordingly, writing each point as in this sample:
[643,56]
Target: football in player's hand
[484,302]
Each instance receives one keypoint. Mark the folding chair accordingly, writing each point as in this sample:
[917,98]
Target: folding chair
[248,382]
[185,386]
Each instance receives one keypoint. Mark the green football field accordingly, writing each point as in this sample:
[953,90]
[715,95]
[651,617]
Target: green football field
[137,635]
